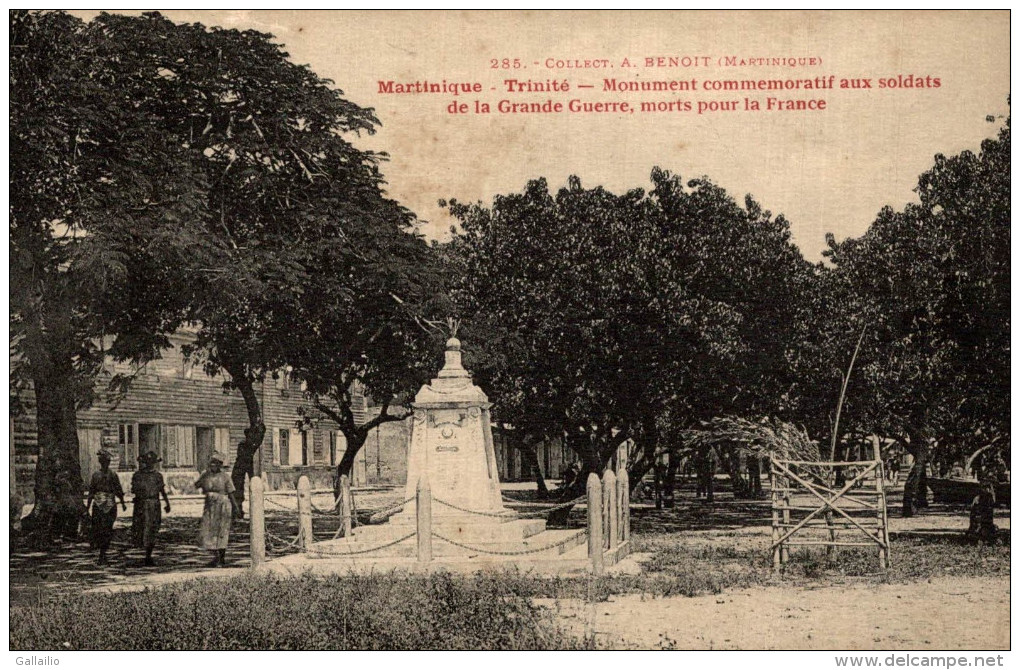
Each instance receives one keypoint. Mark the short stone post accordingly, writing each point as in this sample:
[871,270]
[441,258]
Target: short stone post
[595,524]
[345,504]
[623,499]
[423,504]
[304,506]
[257,520]
[613,522]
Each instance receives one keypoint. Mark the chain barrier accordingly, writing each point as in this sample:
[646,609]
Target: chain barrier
[354,516]
[548,510]
[286,545]
[498,515]
[392,508]
[524,552]
[279,505]
[326,552]
[323,512]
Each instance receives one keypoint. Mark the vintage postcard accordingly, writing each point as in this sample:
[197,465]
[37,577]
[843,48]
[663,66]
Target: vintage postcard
[511,330]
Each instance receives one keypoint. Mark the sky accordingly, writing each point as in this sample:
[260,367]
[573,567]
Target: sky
[828,170]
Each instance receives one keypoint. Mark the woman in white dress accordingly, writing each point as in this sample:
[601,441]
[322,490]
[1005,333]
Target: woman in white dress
[214,531]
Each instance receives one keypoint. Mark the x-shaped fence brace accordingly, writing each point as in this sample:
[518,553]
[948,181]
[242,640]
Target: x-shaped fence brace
[829,503]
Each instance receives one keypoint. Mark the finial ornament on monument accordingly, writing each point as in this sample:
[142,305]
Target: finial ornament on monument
[453,365]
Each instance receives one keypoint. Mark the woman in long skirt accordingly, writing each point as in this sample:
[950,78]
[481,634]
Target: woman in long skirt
[214,531]
[147,485]
[104,491]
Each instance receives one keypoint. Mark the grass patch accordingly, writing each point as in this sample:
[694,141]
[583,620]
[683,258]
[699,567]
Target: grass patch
[709,566]
[311,613]
[914,557]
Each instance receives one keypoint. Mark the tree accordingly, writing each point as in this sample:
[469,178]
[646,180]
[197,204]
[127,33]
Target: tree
[366,326]
[286,190]
[742,258]
[607,317]
[930,288]
[101,205]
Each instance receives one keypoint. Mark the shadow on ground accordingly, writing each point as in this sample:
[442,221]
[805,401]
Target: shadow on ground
[70,565]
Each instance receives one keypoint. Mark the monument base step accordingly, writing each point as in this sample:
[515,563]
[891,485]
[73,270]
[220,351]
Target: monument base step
[550,543]
[461,530]
[573,562]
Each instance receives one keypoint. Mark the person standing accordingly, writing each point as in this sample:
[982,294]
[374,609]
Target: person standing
[214,530]
[104,491]
[147,486]
[982,514]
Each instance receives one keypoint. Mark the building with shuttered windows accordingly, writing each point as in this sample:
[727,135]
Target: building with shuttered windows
[184,415]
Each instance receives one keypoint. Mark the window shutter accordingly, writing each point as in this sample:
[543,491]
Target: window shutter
[275,435]
[168,445]
[221,442]
[318,447]
[186,446]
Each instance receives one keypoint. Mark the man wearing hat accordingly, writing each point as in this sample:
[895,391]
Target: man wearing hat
[104,490]
[214,531]
[147,486]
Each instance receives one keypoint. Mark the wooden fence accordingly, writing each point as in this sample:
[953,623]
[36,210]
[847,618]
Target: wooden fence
[810,509]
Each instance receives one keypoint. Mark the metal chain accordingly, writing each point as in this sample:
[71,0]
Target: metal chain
[281,506]
[324,552]
[287,545]
[336,502]
[498,515]
[548,510]
[394,507]
[511,553]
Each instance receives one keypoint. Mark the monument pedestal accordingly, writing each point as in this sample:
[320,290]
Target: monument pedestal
[451,446]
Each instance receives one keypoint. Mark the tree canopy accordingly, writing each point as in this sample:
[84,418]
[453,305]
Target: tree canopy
[929,287]
[599,317]
[210,176]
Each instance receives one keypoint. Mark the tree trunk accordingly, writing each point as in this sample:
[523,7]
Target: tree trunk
[754,474]
[592,460]
[530,457]
[244,464]
[641,467]
[355,441]
[59,488]
[915,489]
[669,485]
[732,460]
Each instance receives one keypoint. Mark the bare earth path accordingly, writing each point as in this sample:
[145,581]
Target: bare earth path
[954,612]
[964,605]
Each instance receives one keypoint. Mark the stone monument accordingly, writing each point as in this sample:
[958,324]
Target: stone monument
[451,448]
[451,445]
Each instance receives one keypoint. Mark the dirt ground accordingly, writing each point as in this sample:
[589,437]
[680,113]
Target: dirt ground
[955,613]
[951,610]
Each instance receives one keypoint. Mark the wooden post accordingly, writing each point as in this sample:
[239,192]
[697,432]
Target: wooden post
[304,506]
[785,484]
[423,505]
[345,504]
[883,529]
[777,557]
[623,500]
[257,520]
[595,524]
[605,514]
[830,549]
[609,492]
